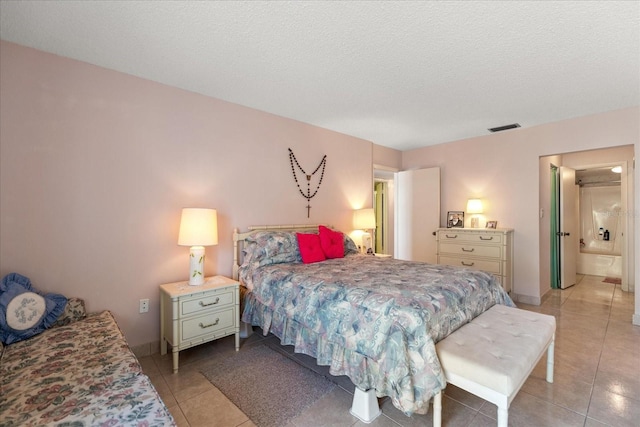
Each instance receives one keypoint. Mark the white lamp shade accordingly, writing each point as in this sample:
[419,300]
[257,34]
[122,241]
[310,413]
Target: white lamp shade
[364,219]
[474,206]
[198,227]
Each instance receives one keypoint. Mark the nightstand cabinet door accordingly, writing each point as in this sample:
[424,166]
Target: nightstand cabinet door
[489,250]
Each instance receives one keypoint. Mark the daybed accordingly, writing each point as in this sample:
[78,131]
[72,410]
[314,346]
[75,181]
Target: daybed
[77,371]
[373,319]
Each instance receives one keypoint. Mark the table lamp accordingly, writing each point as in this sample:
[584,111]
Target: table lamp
[474,207]
[365,219]
[198,228]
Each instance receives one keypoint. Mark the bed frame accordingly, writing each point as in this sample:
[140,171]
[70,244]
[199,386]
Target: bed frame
[365,403]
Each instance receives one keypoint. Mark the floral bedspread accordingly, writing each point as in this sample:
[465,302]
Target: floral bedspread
[374,319]
[80,374]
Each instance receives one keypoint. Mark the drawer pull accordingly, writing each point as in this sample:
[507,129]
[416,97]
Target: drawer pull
[455,236]
[210,324]
[211,303]
[467,265]
[468,250]
[486,238]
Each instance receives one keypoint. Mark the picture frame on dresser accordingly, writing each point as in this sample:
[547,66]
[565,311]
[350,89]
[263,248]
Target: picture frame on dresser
[492,224]
[455,219]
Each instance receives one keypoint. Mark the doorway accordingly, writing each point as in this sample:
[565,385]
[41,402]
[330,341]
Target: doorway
[407,211]
[595,186]
[381,210]
[383,207]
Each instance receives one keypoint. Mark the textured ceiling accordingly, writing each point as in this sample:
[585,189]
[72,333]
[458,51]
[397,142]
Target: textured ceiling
[400,74]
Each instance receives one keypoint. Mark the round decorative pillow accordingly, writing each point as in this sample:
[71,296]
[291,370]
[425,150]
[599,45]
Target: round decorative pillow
[25,311]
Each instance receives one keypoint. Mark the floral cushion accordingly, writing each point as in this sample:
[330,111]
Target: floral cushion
[73,311]
[25,312]
[81,374]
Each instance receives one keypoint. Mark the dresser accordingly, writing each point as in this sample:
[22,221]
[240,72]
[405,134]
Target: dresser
[194,315]
[485,249]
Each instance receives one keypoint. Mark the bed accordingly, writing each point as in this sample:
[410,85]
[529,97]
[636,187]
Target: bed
[374,319]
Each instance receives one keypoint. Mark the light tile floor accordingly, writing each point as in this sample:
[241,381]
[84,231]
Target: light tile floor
[597,376]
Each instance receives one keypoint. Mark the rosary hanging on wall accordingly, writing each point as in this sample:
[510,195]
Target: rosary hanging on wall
[309,195]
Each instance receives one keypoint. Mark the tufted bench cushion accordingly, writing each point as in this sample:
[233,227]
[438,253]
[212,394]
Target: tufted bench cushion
[493,355]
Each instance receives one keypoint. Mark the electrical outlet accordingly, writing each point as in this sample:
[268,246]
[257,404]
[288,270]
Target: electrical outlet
[144,305]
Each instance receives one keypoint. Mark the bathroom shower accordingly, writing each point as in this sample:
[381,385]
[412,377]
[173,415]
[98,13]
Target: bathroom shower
[600,215]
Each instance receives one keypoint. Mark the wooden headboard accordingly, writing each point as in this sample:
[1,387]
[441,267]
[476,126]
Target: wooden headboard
[239,238]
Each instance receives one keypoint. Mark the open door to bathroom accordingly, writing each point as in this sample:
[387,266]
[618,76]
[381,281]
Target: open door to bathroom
[566,228]
[569,226]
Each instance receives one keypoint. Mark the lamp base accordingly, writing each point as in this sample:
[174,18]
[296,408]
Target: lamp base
[366,243]
[475,222]
[196,265]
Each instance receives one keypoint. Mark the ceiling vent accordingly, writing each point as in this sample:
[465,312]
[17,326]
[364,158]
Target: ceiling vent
[505,127]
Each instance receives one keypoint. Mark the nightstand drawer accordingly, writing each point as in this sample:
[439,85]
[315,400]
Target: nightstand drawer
[477,236]
[486,251]
[206,302]
[207,324]
[477,264]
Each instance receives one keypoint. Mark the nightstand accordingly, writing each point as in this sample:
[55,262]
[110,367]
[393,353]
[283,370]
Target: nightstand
[194,315]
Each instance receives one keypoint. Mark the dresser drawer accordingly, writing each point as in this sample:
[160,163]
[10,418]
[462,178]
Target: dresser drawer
[487,251]
[475,237]
[477,264]
[209,323]
[200,303]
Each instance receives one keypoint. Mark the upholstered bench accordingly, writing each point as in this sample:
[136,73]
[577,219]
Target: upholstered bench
[494,354]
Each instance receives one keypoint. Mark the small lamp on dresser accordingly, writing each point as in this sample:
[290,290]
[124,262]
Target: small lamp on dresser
[365,219]
[198,228]
[474,207]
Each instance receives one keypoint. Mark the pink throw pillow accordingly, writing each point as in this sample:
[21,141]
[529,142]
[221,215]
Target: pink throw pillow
[332,242]
[310,249]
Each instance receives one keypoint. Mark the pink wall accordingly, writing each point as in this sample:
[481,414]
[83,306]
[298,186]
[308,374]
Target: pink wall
[388,157]
[503,170]
[96,165]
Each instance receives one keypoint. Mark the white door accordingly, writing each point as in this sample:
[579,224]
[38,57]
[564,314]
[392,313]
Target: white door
[417,214]
[569,226]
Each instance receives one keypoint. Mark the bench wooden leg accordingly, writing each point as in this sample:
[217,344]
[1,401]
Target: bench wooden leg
[437,409]
[550,356]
